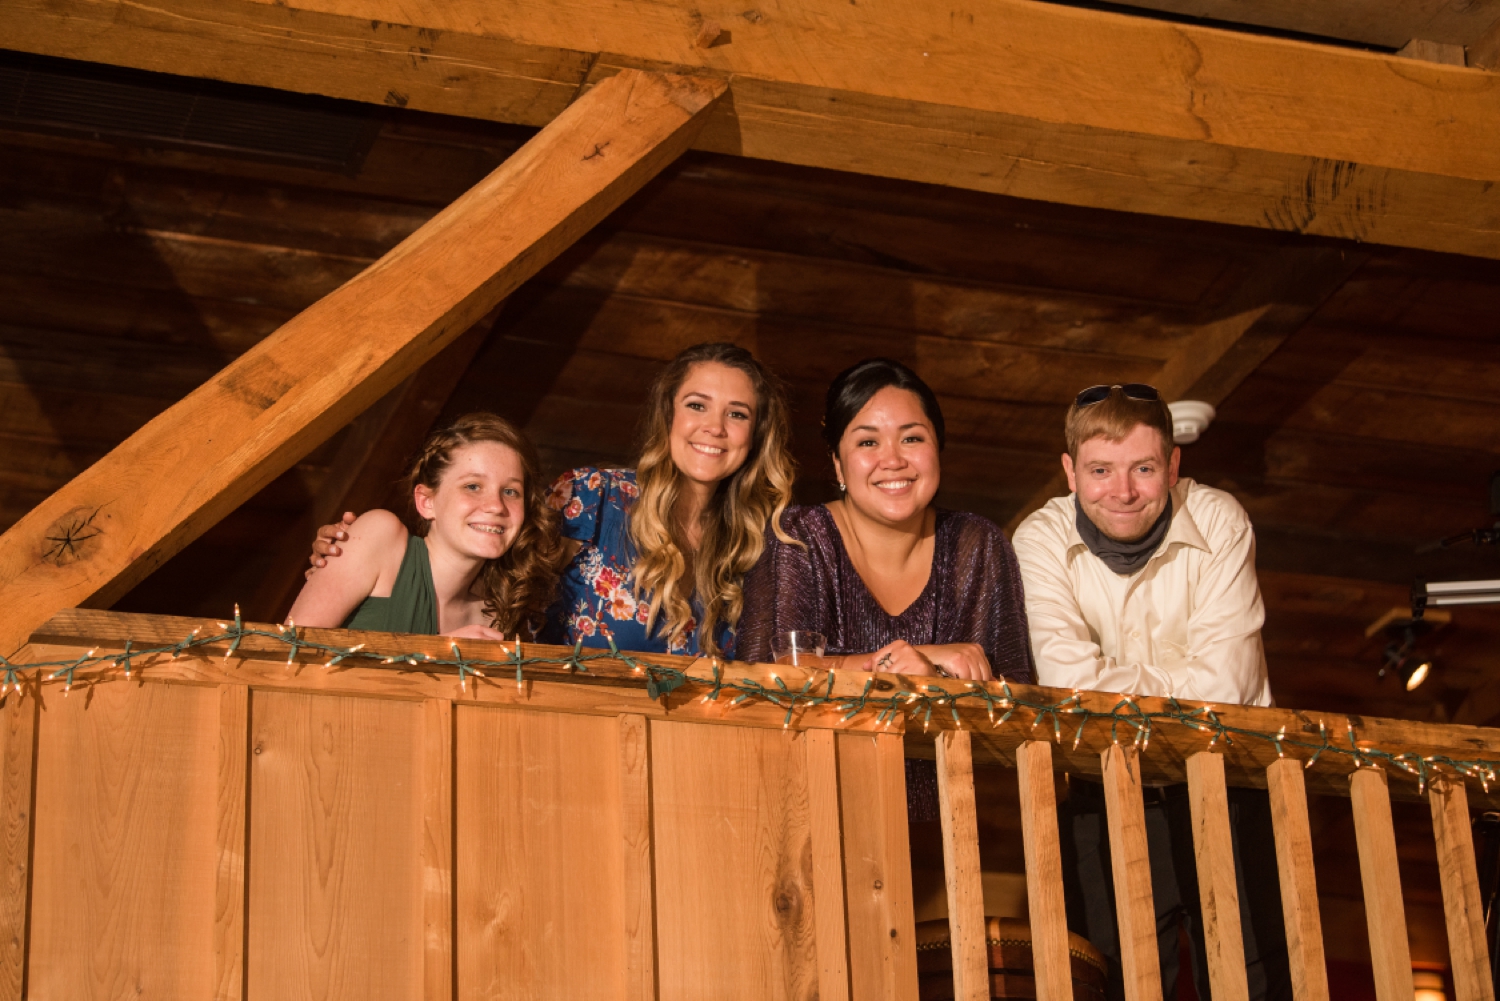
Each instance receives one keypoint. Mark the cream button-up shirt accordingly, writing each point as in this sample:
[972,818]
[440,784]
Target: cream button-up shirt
[1187,624]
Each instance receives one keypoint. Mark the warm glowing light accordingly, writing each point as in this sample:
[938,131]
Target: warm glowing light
[1417,677]
[1429,986]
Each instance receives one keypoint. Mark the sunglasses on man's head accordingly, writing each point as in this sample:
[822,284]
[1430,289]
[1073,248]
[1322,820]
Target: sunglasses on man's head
[1132,390]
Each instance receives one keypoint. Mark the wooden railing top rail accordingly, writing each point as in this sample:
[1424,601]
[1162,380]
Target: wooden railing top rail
[1000,717]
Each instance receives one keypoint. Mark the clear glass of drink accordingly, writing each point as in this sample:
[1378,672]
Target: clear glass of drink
[799,648]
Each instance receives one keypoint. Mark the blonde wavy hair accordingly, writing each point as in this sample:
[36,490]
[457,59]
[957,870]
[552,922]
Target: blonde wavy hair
[520,585]
[734,522]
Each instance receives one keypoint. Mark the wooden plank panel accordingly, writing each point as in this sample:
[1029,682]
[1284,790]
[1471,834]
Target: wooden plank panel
[217,447]
[1218,891]
[1130,862]
[233,817]
[541,878]
[335,848]
[741,928]
[18,722]
[1381,877]
[123,890]
[1299,889]
[438,969]
[1044,879]
[639,864]
[1462,906]
[966,929]
[821,748]
[877,867]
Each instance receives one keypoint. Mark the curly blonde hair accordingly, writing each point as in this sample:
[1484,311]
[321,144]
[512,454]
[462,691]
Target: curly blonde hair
[734,522]
[520,585]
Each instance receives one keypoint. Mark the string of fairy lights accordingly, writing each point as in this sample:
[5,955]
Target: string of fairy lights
[817,691]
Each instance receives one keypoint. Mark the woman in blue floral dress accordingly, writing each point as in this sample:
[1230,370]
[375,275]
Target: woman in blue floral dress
[689,521]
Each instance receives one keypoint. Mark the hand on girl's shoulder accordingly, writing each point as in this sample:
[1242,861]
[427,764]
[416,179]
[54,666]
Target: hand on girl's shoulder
[376,527]
[377,539]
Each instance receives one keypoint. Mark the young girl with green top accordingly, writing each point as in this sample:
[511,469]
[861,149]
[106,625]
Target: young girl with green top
[483,562]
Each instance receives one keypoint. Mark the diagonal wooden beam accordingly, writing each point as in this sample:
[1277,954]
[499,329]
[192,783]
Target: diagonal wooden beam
[368,463]
[167,483]
[1046,101]
[1271,304]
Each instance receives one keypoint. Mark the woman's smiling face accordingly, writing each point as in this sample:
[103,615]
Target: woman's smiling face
[713,422]
[888,458]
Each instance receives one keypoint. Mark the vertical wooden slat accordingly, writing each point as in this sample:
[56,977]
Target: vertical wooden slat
[18,721]
[1384,912]
[1218,893]
[1130,862]
[828,865]
[1462,907]
[1044,880]
[1299,886]
[971,961]
[233,802]
[437,850]
[877,867]
[640,880]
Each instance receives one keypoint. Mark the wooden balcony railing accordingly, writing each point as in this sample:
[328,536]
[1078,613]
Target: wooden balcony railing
[263,814]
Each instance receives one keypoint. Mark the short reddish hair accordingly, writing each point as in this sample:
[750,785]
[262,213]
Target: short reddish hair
[1114,418]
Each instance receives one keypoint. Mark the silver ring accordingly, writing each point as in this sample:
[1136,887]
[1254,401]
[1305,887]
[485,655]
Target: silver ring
[884,661]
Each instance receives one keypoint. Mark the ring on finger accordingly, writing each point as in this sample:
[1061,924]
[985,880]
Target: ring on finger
[884,661]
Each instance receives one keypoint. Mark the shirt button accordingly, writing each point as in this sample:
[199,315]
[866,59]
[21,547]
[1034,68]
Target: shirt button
[1135,634]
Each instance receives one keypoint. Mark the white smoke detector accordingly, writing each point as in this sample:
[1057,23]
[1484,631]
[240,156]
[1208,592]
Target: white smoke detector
[1190,418]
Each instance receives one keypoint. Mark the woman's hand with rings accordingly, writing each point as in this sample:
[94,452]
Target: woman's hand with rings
[898,657]
[965,661]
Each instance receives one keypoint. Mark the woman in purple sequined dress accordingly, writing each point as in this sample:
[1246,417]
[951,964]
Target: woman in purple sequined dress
[896,584]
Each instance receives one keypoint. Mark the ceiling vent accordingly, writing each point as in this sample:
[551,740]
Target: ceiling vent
[60,96]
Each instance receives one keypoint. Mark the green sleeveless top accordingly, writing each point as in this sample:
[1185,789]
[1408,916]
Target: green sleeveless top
[412,605]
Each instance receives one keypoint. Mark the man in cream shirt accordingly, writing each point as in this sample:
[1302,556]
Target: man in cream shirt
[1141,582]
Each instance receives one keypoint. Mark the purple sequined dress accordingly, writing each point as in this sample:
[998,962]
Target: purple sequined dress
[973,596]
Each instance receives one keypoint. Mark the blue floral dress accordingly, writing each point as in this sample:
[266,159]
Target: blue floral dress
[596,600]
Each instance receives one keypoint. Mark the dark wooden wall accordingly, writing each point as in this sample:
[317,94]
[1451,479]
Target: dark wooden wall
[127,276]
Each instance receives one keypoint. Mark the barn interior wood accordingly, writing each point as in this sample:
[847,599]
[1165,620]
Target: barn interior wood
[1285,210]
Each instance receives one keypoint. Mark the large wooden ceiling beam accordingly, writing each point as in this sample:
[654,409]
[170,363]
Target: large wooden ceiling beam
[1029,99]
[167,483]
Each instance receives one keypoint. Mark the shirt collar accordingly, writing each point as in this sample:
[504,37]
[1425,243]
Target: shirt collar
[1182,531]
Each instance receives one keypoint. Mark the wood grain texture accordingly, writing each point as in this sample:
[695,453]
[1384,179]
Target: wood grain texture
[1218,890]
[821,749]
[541,877]
[638,868]
[961,868]
[1299,888]
[438,830]
[18,726]
[1044,880]
[1115,136]
[230,831]
[336,834]
[1462,905]
[877,867]
[1380,874]
[1130,863]
[229,438]
[734,879]
[125,860]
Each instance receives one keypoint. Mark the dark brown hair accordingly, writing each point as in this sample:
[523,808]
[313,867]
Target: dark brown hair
[519,585]
[1114,417]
